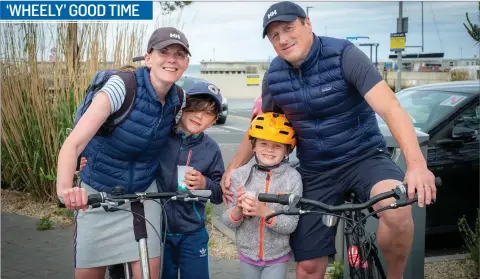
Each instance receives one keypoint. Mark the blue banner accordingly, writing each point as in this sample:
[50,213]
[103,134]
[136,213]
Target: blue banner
[75,10]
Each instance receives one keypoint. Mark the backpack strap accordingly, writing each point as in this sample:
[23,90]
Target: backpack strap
[178,109]
[130,81]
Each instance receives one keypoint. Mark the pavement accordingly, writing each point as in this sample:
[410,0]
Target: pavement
[27,253]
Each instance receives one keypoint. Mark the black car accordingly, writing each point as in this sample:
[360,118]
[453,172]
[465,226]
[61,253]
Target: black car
[450,114]
[446,115]
[187,81]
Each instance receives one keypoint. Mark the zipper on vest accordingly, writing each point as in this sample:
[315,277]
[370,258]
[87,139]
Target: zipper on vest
[304,89]
[158,123]
[130,176]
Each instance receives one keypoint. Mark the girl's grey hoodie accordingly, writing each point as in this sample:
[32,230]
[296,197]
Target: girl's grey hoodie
[255,238]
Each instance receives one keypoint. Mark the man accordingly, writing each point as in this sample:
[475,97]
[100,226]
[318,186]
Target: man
[330,91]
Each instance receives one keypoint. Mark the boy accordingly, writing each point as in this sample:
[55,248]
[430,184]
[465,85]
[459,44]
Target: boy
[263,247]
[186,239]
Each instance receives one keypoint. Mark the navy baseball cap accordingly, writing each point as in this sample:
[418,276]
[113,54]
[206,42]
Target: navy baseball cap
[165,36]
[206,89]
[282,11]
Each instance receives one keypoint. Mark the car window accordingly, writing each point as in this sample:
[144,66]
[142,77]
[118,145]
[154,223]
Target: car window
[426,107]
[186,82]
[469,118]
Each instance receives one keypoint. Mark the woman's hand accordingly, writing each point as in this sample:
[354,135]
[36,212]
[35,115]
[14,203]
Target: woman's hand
[75,198]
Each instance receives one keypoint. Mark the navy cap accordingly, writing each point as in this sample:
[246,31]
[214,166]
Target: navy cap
[165,36]
[282,11]
[207,89]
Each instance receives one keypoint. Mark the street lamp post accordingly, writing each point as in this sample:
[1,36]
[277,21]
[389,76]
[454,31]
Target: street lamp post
[309,7]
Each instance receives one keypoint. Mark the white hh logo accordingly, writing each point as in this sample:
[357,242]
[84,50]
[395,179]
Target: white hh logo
[213,89]
[272,13]
[173,35]
[203,252]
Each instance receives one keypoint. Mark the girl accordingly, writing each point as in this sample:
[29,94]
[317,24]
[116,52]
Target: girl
[263,247]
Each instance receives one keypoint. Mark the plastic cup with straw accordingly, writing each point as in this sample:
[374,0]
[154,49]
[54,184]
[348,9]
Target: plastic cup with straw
[181,172]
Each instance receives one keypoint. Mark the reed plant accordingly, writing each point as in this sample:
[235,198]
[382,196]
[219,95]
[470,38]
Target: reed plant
[40,95]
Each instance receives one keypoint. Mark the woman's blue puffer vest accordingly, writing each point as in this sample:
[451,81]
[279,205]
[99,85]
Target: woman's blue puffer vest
[333,121]
[130,155]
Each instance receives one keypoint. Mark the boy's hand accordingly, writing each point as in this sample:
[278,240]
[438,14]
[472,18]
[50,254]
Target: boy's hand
[83,163]
[252,207]
[194,180]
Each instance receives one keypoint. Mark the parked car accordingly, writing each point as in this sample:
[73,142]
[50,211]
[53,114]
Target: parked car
[187,81]
[447,116]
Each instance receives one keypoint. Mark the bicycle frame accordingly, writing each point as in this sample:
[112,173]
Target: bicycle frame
[138,211]
[362,254]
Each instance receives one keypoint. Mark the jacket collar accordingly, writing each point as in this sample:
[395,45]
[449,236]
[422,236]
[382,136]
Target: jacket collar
[191,139]
[312,57]
[313,54]
[280,169]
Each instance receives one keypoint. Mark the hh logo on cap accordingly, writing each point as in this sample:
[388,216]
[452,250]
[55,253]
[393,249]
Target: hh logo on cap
[173,35]
[213,89]
[272,13]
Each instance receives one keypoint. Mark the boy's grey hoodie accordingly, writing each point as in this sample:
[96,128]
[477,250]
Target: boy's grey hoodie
[256,239]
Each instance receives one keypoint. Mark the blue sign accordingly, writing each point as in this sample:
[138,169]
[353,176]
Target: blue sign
[75,10]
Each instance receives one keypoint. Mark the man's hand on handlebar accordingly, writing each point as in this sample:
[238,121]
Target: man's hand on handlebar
[422,181]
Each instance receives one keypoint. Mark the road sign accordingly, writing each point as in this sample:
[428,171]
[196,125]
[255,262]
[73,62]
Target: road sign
[253,80]
[397,41]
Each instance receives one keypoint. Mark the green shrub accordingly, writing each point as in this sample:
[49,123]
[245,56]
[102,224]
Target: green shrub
[45,224]
[471,238]
[337,271]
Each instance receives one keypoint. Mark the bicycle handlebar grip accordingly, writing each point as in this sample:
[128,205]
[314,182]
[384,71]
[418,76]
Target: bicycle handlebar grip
[95,199]
[275,198]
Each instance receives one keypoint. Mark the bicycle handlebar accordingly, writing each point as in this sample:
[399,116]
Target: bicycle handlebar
[399,193]
[102,198]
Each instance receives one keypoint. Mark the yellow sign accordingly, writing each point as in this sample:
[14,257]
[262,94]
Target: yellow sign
[397,41]
[253,80]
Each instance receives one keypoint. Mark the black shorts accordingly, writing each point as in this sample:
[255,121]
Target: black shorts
[312,239]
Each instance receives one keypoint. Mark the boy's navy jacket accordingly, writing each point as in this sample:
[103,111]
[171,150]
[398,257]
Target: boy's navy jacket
[184,217]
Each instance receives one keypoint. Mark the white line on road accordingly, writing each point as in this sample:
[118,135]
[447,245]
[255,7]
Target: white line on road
[239,117]
[234,128]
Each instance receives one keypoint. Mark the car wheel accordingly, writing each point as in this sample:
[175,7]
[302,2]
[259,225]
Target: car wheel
[222,120]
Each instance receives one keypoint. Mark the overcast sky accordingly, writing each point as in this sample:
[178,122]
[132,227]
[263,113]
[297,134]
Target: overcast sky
[232,31]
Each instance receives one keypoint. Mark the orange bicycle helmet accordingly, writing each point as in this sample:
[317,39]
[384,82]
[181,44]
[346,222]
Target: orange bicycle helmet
[274,127]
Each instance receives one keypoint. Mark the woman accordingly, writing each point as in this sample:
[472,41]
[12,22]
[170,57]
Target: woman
[128,157]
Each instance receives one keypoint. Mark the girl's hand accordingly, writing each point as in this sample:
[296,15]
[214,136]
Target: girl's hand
[252,207]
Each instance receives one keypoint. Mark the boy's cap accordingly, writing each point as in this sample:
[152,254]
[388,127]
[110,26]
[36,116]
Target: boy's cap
[165,36]
[208,89]
[282,11]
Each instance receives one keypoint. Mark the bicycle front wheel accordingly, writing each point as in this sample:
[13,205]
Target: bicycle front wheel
[375,268]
